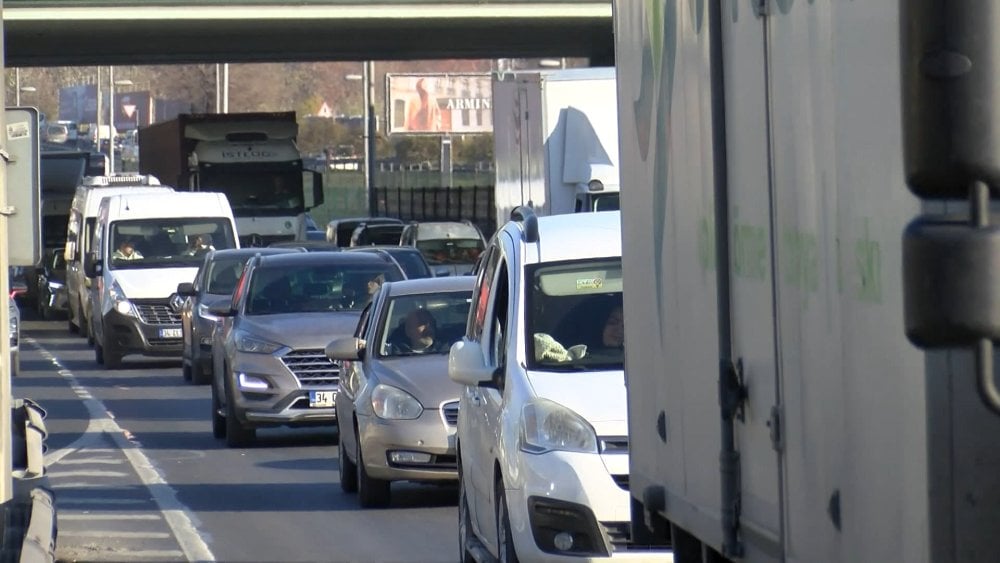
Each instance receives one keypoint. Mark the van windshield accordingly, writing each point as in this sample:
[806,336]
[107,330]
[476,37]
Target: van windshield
[575,318]
[167,243]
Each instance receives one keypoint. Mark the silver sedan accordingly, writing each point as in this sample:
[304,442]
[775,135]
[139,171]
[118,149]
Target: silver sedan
[398,409]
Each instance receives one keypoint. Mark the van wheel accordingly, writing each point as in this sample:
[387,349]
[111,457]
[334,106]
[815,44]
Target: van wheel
[111,356]
[236,435]
[372,493]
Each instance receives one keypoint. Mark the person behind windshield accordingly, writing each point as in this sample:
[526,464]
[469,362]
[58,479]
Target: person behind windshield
[127,251]
[200,244]
[420,331]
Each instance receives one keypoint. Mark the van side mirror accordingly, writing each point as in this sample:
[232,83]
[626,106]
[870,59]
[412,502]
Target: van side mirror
[92,266]
[224,309]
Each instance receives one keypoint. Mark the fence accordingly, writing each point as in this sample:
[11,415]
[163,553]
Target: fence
[474,203]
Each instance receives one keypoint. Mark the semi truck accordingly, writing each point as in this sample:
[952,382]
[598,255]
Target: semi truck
[555,141]
[811,277]
[250,157]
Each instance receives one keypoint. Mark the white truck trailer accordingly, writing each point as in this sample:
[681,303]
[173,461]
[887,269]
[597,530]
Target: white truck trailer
[779,409]
[555,141]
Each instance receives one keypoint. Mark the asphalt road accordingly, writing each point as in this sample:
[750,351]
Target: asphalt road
[139,477]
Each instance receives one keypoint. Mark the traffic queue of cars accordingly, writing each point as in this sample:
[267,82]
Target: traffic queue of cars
[508,382]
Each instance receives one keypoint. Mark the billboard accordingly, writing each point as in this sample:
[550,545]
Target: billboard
[439,103]
[78,103]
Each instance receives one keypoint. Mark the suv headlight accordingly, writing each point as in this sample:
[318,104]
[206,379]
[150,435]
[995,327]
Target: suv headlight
[119,302]
[254,345]
[394,403]
[203,313]
[548,426]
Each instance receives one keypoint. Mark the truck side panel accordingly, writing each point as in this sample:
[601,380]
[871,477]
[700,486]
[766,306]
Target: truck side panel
[519,139]
[672,357]
[161,153]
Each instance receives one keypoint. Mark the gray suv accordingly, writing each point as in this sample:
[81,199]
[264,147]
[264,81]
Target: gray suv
[269,363]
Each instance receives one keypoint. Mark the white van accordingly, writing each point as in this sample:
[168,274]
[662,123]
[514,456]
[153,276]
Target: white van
[80,233]
[144,246]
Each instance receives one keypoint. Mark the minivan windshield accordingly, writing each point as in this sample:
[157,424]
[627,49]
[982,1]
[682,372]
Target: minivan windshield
[574,318]
[167,243]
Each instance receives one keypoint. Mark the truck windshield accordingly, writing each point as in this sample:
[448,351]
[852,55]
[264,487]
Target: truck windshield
[574,320]
[256,192]
[167,243]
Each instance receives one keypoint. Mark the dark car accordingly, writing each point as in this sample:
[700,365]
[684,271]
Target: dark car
[269,362]
[452,248]
[215,281]
[339,231]
[52,284]
[410,259]
[371,234]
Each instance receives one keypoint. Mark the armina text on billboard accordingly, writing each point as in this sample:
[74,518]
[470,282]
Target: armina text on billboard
[439,103]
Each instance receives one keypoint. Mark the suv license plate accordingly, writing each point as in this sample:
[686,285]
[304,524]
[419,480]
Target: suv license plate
[322,398]
[171,333]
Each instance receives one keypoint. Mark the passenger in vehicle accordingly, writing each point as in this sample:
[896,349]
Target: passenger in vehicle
[199,245]
[613,334]
[127,251]
[419,335]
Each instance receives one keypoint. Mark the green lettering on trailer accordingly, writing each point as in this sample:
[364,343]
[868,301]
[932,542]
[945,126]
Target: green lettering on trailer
[749,252]
[868,259]
[706,243]
[800,259]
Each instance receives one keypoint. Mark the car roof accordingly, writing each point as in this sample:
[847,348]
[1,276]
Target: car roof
[559,236]
[434,230]
[431,285]
[247,251]
[318,258]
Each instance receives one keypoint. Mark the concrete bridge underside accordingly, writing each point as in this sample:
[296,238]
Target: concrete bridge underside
[86,32]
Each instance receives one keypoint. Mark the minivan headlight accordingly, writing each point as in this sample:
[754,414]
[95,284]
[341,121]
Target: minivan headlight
[548,426]
[395,404]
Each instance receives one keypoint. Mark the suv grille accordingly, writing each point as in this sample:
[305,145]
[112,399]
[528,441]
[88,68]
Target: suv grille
[154,313]
[312,368]
[449,411]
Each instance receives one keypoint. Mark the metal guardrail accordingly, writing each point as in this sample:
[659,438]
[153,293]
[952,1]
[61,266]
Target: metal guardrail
[29,519]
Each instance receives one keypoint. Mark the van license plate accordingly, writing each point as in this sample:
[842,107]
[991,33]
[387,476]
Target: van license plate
[321,398]
[171,333]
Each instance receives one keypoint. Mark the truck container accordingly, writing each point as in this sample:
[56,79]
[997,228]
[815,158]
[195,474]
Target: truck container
[555,141]
[250,157]
[779,272]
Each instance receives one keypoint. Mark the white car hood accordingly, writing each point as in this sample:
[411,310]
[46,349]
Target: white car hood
[152,283]
[599,397]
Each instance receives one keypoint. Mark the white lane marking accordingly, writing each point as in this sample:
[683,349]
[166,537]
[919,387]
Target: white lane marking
[93,485]
[98,500]
[88,461]
[89,516]
[114,534]
[87,473]
[154,554]
[178,517]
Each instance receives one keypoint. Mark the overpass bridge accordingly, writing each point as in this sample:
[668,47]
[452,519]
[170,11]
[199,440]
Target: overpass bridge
[122,32]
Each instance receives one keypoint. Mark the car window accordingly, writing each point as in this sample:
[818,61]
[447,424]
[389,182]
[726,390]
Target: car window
[480,295]
[222,275]
[423,324]
[313,288]
[499,310]
[413,264]
[362,327]
[574,316]
[450,251]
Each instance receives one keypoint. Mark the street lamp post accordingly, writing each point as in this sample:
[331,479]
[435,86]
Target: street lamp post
[367,79]
[112,109]
[25,89]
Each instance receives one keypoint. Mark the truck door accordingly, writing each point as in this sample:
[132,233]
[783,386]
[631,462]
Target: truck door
[748,223]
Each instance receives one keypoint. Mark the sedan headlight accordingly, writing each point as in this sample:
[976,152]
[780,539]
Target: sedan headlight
[394,403]
[118,300]
[254,345]
[203,313]
[548,426]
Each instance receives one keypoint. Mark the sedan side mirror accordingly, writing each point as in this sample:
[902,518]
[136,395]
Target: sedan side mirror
[467,366]
[186,289]
[346,349]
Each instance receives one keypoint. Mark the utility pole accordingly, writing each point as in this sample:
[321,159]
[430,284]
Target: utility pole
[370,129]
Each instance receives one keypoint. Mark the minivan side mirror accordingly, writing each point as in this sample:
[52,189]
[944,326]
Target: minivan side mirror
[224,309]
[186,289]
[467,366]
[92,266]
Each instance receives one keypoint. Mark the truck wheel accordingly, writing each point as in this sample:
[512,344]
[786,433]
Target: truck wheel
[505,539]
[372,493]
[218,421]
[348,470]
[236,435]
